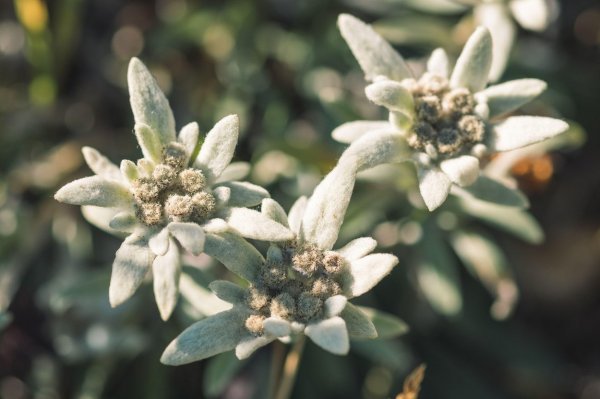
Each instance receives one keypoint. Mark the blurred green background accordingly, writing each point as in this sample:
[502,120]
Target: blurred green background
[283,67]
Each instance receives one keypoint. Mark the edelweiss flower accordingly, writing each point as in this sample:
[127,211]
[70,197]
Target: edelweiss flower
[443,122]
[302,287]
[171,197]
[534,15]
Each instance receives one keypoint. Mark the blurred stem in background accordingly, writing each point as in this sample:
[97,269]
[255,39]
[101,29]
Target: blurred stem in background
[290,369]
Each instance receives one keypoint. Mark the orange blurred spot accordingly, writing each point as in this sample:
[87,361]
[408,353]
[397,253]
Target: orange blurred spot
[533,173]
[33,14]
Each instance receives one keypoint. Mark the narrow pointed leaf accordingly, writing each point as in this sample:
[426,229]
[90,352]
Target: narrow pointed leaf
[188,136]
[250,344]
[335,305]
[392,95]
[245,194]
[388,326]
[159,242]
[358,324]
[462,170]
[235,253]
[252,224]
[509,96]
[96,191]
[531,14]
[297,213]
[330,334]
[520,131]
[490,190]
[473,65]
[376,148]
[434,186]
[234,171]
[495,17]
[375,56]
[367,272]
[218,147]
[148,103]
[358,248]
[124,221]
[166,270]
[271,209]
[277,327]
[348,132]
[438,63]
[149,141]
[189,235]
[100,165]
[228,291]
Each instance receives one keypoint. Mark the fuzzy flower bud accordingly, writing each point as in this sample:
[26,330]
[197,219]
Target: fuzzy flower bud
[254,324]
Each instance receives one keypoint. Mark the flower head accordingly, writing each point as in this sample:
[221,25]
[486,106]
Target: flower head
[302,287]
[444,122]
[171,198]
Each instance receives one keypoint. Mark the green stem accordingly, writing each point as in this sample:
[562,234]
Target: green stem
[276,367]
[290,369]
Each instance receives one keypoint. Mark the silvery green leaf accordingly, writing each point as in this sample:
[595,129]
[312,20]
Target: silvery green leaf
[100,165]
[271,209]
[297,213]
[366,272]
[124,221]
[131,265]
[490,190]
[218,147]
[438,63]
[208,337]
[357,248]
[188,136]
[250,344]
[350,131]
[520,131]
[531,14]
[96,191]
[376,148]
[277,327]
[512,220]
[330,334]
[252,224]
[509,96]
[434,186]
[437,275]
[234,171]
[228,291]
[327,206]
[189,235]
[166,270]
[148,103]
[216,226]
[375,56]
[462,170]
[219,372]
[145,167]
[358,324]
[100,217]
[335,305]
[473,65]
[222,196]
[159,242]
[149,142]
[387,325]
[245,194]
[392,95]
[495,17]
[275,254]
[129,171]
[235,253]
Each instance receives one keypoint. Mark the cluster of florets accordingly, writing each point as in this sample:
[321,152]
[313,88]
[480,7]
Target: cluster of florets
[446,120]
[296,288]
[171,192]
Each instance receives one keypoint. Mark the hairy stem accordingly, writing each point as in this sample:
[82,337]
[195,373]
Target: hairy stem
[290,369]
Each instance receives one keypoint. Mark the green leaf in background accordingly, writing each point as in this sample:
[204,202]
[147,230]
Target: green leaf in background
[220,370]
[438,274]
[387,325]
[490,190]
[514,221]
[5,319]
[389,353]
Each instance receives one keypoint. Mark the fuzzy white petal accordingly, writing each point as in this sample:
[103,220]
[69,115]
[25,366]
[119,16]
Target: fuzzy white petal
[249,345]
[330,334]
[375,56]
[101,217]
[335,305]
[218,147]
[509,96]
[358,323]
[434,186]
[392,95]
[497,19]
[189,235]
[252,224]
[228,291]
[358,248]
[296,214]
[235,253]
[206,338]
[129,171]
[531,14]
[149,142]
[327,206]
[166,270]
[234,171]
[132,263]
[271,209]
[148,103]
[188,136]
[348,132]
[520,131]
[96,191]
[159,242]
[366,272]
[438,63]
[216,226]
[124,221]
[244,193]
[376,148]
[222,196]
[100,165]
[277,327]
[473,65]
[462,170]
